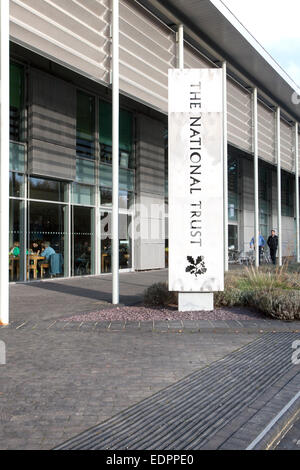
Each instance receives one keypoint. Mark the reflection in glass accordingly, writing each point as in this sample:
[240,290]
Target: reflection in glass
[126,198]
[105,242]
[82,194]
[47,189]
[232,237]
[82,241]
[16,101]
[125,243]
[16,184]
[85,126]
[16,156]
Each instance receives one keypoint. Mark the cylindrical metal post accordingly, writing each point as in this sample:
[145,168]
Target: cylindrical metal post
[256,199]
[278,151]
[225,163]
[115,151]
[4,161]
[180,45]
[297,193]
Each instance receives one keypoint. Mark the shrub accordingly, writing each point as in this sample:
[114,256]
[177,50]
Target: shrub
[159,295]
[229,298]
[279,304]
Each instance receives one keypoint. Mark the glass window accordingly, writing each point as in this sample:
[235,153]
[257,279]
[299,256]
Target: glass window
[48,190]
[16,156]
[82,241]
[47,239]
[264,188]
[105,197]
[16,184]
[16,102]
[82,194]
[287,194]
[85,126]
[125,244]
[16,240]
[126,198]
[232,237]
[85,171]
[126,178]
[125,241]
[233,194]
[125,135]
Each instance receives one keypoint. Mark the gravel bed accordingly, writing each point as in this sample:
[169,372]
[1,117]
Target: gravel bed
[141,313]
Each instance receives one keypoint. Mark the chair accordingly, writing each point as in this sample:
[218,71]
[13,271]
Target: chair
[32,266]
[11,268]
[44,265]
[56,262]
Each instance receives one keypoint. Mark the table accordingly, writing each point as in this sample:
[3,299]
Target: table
[14,264]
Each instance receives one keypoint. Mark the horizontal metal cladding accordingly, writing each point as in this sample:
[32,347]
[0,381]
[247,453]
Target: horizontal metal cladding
[147,51]
[72,32]
[194,60]
[286,146]
[239,116]
[51,126]
[266,133]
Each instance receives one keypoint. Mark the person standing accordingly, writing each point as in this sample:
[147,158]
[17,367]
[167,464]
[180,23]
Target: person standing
[273,245]
[261,244]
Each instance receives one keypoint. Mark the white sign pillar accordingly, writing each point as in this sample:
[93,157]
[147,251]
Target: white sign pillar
[225,166]
[4,160]
[297,193]
[196,221]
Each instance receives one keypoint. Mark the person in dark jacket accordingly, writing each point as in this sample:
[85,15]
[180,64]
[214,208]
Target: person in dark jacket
[273,245]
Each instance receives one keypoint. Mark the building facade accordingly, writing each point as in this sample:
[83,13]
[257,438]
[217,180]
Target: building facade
[60,177]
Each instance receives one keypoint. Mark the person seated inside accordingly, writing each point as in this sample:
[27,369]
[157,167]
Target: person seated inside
[15,250]
[35,248]
[48,251]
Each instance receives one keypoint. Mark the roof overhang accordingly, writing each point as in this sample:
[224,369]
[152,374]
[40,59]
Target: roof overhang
[219,28]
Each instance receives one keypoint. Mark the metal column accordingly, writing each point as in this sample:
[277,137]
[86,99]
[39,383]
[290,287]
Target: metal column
[297,193]
[225,166]
[180,47]
[115,151]
[256,199]
[278,152]
[4,161]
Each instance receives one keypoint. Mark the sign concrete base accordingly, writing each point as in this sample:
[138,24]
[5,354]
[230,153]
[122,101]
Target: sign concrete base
[195,301]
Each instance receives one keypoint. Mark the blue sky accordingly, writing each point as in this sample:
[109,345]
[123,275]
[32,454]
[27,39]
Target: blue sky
[275,24]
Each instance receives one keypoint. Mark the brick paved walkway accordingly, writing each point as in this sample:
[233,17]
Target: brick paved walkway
[189,414]
[55,298]
[62,378]
[58,382]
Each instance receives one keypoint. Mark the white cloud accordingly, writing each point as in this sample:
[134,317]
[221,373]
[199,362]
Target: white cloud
[275,24]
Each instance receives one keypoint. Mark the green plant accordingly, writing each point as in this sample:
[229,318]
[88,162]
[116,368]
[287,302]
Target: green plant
[229,298]
[279,304]
[159,295]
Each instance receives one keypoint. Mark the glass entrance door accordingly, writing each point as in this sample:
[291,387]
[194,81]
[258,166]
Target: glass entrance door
[82,241]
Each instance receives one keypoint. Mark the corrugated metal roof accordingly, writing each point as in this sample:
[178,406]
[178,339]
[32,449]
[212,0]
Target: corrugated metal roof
[214,23]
